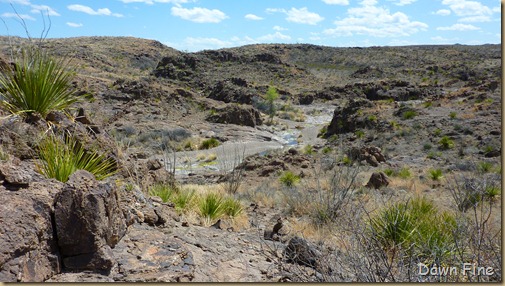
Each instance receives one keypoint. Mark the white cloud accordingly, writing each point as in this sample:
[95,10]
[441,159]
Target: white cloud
[14,15]
[151,2]
[253,17]
[459,27]
[279,28]
[20,2]
[464,8]
[44,9]
[443,12]
[199,15]
[375,21]
[473,19]
[336,2]
[90,11]
[74,25]
[404,2]
[303,16]
[274,37]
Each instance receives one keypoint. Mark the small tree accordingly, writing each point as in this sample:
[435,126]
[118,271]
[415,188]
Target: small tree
[270,97]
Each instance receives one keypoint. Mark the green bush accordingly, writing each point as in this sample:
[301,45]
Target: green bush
[211,206]
[389,172]
[209,143]
[60,158]
[359,133]
[453,115]
[308,149]
[436,174]
[232,207]
[289,179]
[415,226]
[183,199]
[484,167]
[404,173]
[164,191]
[409,114]
[38,85]
[446,143]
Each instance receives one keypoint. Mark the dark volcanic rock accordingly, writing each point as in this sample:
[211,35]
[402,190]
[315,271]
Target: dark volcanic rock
[378,180]
[345,118]
[88,223]
[28,249]
[236,114]
[233,90]
[301,252]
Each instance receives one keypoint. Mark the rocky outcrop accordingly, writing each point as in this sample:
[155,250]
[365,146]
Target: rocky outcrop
[299,251]
[89,223]
[371,154]
[236,114]
[378,180]
[28,248]
[234,90]
[345,119]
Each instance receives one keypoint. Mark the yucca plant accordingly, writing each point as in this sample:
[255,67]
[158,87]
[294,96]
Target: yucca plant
[211,206]
[60,158]
[232,207]
[183,199]
[289,179]
[37,85]
[164,191]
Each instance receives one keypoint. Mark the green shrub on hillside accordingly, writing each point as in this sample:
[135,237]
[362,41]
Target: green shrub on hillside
[38,85]
[289,179]
[60,158]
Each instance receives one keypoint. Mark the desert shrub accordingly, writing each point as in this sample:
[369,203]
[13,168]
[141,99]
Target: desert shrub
[60,158]
[437,132]
[404,173]
[409,114]
[164,191]
[372,118]
[38,84]
[484,167]
[427,146]
[446,143]
[308,149]
[183,199]
[322,131]
[359,133]
[326,150]
[427,104]
[453,115]
[433,155]
[389,172]
[416,227]
[232,207]
[289,179]
[436,174]
[209,143]
[211,206]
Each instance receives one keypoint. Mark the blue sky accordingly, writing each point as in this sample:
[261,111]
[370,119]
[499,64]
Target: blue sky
[193,25]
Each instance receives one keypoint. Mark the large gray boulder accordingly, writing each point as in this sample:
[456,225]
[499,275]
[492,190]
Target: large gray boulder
[89,223]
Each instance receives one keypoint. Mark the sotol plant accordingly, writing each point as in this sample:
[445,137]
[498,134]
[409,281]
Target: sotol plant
[60,158]
[37,85]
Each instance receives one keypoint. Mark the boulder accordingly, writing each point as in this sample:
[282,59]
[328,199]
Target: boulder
[371,154]
[233,90]
[28,248]
[378,180]
[88,223]
[299,251]
[236,114]
[345,119]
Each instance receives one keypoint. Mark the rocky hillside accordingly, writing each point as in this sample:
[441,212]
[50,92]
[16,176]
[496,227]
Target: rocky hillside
[353,132]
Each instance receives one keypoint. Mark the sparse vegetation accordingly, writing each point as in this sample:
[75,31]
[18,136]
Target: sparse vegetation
[60,158]
[38,85]
[409,114]
[209,143]
[436,174]
[446,143]
[289,179]
[162,190]
[211,206]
